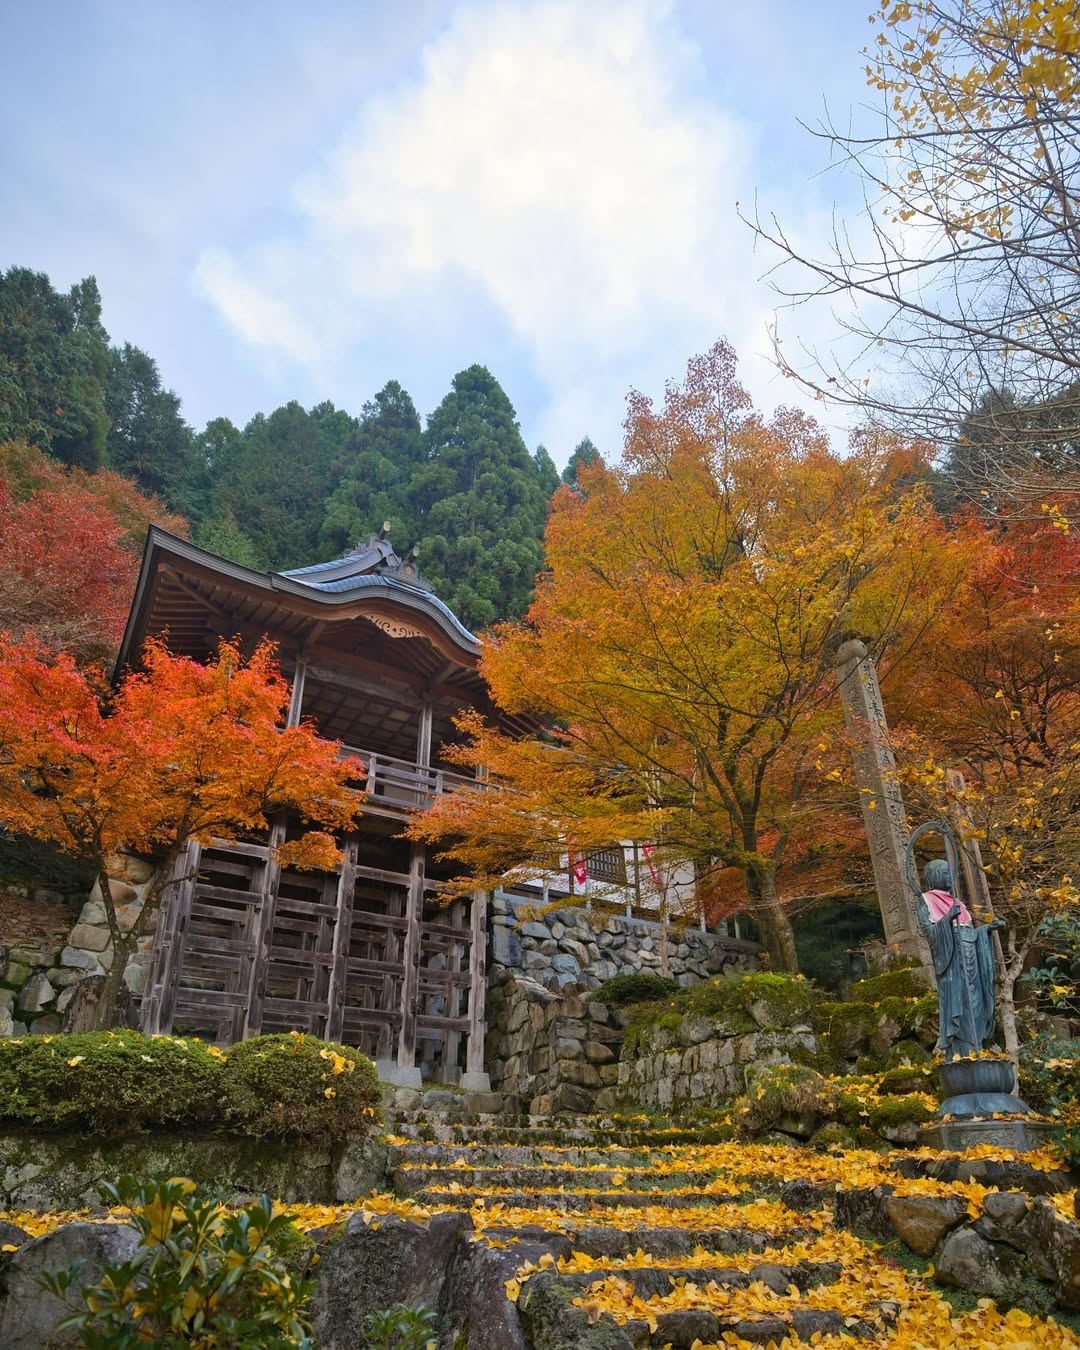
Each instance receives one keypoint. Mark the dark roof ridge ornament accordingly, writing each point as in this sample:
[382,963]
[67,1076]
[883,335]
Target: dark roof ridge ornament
[375,558]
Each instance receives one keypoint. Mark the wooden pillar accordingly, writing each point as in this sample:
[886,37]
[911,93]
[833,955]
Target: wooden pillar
[296,698]
[454,955]
[339,972]
[423,735]
[262,925]
[406,1074]
[162,979]
[474,1079]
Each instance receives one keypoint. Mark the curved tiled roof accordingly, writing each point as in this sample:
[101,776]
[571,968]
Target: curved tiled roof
[372,572]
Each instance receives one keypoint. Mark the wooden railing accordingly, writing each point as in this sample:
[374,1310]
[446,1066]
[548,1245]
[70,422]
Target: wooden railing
[400,784]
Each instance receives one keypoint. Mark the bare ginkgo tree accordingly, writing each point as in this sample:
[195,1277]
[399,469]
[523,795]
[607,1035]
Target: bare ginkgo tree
[965,262]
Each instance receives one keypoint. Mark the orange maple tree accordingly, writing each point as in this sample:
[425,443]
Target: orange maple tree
[681,644]
[179,751]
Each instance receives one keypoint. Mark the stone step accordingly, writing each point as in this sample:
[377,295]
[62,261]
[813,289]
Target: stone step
[655,1281]
[549,1133]
[519,1155]
[598,1240]
[416,1179]
[565,1200]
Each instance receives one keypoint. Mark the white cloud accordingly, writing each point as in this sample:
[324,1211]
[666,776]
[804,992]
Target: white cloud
[251,307]
[561,166]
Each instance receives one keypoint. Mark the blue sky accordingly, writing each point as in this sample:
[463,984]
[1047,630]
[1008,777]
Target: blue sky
[304,201]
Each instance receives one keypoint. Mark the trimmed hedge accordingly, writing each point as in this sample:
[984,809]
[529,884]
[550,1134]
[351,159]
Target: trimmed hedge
[295,1086]
[121,1081]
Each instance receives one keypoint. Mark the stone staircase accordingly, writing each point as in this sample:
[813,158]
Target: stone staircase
[528,1233]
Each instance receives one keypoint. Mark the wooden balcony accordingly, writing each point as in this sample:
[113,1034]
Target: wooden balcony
[396,787]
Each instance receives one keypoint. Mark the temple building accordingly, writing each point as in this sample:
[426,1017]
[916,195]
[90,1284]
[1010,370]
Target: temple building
[365,955]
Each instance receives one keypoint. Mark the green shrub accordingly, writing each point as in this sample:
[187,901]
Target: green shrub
[121,1081]
[198,1277]
[297,1085]
[401,1328]
[622,990]
[1049,1078]
[110,1081]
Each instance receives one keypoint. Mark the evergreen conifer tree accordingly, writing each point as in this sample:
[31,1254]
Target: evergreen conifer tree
[480,503]
[379,463]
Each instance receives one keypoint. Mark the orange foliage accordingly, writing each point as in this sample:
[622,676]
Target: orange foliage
[681,642]
[180,751]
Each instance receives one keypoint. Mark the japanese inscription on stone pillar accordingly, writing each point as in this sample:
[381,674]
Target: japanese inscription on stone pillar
[879,792]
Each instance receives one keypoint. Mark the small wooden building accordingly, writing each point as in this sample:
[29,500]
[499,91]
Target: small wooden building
[366,955]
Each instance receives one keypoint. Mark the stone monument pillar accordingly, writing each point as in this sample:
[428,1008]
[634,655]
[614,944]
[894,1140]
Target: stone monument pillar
[879,794]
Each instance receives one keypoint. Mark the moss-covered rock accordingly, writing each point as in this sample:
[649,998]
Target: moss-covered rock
[833,1136]
[907,1078]
[908,1052]
[845,1027]
[900,982]
[783,1092]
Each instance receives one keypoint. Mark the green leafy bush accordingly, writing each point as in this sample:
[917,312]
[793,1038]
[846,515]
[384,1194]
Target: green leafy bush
[401,1328]
[622,990]
[121,1081]
[198,1277]
[296,1085]
[1056,980]
[110,1081]
[1049,1077]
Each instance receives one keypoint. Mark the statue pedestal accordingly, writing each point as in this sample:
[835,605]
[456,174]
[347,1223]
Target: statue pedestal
[956,1135]
[978,1092]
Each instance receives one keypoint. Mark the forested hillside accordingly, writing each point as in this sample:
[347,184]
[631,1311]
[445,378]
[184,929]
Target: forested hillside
[295,485]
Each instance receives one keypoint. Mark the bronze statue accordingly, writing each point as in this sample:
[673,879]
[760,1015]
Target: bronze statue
[963,964]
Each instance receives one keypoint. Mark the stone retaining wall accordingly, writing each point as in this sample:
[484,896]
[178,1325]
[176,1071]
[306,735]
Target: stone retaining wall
[554,1052]
[576,948]
[38,982]
[41,1171]
[703,1060]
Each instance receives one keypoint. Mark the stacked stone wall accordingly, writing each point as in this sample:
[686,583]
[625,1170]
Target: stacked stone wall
[39,981]
[548,1046]
[553,1052]
[703,1060]
[575,948]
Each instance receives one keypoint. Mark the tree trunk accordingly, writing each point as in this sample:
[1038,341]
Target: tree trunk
[107,1012]
[776,930]
[1008,972]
